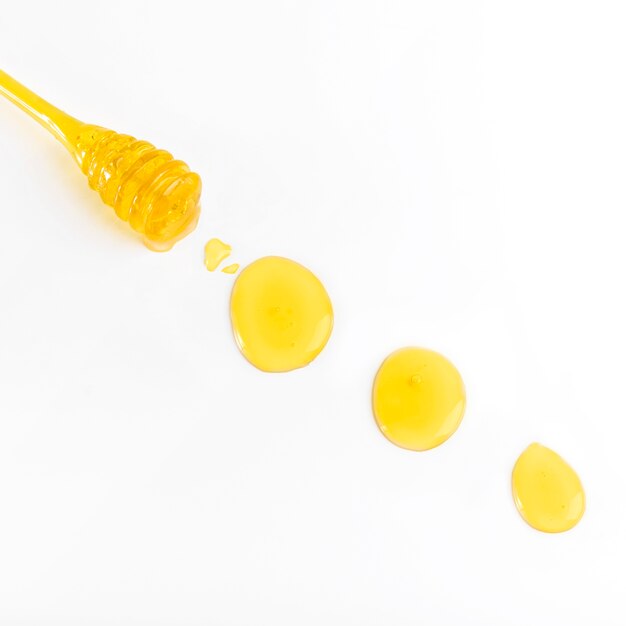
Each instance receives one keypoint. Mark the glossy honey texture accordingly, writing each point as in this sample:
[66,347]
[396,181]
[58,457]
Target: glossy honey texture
[281,315]
[547,491]
[418,398]
[215,251]
[156,194]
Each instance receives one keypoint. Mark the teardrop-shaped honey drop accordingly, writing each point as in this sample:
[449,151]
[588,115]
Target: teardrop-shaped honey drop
[547,491]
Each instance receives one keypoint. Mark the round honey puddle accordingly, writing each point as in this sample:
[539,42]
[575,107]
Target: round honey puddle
[418,398]
[281,314]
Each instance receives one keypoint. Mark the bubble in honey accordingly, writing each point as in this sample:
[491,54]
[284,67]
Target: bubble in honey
[281,314]
[418,398]
[547,491]
[231,269]
[215,251]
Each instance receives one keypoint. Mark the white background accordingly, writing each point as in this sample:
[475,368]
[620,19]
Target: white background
[454,173]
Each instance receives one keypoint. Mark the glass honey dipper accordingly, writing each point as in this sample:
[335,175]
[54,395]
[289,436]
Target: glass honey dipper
[157,195]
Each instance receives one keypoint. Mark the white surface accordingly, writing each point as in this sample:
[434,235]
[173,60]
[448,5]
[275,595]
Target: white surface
[454,173]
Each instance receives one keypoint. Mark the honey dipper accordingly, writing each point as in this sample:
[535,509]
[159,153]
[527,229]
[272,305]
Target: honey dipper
[157,195]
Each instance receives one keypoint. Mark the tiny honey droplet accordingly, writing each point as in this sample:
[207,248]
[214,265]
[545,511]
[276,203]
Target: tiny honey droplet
[418,398]
[231,269]
[547,492]
[281,314]
[215,251]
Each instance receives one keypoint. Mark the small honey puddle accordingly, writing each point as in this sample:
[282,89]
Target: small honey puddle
[215,251]
[281,314]
[548,493]
[418,398]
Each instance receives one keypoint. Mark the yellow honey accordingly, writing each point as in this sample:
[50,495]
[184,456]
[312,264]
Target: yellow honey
[281,314]
[418,398]
[157,195]
[215,251]
[548,493]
